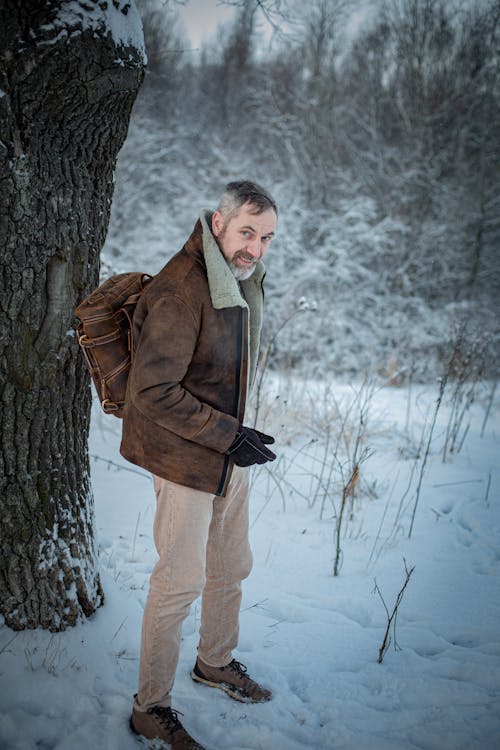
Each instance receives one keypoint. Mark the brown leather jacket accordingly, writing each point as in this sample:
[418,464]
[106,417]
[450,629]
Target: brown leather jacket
[196,333]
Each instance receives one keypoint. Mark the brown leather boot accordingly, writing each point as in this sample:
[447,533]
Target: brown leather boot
[233,679]
[163,723]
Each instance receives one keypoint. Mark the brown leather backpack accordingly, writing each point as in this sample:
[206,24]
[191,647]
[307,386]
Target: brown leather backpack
[105,335]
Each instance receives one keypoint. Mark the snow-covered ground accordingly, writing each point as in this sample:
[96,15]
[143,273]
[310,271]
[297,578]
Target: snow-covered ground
[312,637]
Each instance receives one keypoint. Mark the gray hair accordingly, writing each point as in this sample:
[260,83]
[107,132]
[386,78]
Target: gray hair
[236,194]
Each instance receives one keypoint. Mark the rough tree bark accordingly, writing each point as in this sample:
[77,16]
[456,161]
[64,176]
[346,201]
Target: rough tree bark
[69,74]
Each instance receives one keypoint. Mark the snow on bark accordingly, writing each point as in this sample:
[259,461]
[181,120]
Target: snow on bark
[119,18]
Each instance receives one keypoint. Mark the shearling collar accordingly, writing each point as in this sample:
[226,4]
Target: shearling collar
[224,289]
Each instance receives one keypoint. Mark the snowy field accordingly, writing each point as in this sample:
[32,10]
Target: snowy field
[312,637]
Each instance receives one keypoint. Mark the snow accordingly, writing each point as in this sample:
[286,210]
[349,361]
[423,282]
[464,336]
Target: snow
[311,637]
[120,18]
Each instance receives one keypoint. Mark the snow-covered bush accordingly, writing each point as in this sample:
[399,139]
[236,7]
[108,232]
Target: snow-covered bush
[385,177]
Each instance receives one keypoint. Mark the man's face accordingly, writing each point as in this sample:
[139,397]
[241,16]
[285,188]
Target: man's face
[245,238]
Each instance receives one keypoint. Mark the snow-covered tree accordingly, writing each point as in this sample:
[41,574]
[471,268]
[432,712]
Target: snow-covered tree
[69,74]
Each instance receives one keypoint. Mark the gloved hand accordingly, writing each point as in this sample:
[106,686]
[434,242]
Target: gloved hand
[249,447]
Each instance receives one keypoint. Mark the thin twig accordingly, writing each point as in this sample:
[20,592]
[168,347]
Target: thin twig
[119,628]
[488,408]
[442,387]
[119,467]
[462,481]
[9,642]
[486,496]
[382,521]
[391,618]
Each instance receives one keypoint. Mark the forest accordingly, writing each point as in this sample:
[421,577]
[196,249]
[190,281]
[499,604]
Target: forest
[377,128]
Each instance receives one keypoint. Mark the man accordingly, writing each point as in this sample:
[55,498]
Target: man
[197,330]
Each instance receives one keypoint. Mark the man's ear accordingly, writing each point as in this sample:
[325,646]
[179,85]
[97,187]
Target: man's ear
[217,223]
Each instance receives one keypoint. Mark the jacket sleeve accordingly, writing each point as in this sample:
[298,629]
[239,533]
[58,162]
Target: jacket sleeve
[165,349]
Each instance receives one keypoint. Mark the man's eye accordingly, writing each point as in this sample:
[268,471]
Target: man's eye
[245,233]
[267,239]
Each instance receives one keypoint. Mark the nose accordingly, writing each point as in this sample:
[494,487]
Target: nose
[254,247]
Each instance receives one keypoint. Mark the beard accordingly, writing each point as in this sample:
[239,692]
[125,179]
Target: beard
[241,273]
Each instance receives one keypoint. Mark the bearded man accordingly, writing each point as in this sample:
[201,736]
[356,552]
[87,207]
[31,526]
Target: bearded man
[196,333]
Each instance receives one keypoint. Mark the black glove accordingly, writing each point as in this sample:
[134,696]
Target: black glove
[249,447]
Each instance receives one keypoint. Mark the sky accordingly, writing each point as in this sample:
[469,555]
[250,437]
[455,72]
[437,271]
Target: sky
[201,18]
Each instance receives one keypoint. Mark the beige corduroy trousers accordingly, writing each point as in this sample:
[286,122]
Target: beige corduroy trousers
[202,543]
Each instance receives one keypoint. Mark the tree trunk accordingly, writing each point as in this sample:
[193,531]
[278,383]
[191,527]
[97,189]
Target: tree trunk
[68,82]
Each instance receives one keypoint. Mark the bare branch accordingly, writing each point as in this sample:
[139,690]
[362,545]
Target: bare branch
[391,618]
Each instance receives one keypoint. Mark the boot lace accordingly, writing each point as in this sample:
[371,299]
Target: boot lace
[239,668]
[170,720]
[168,717]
